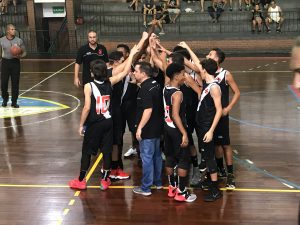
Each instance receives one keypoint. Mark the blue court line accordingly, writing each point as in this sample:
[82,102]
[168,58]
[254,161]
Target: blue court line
[264,127]
[264,172]
[293,93]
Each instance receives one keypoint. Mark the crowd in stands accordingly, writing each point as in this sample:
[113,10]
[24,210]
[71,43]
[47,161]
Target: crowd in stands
[4,4]
[264,12]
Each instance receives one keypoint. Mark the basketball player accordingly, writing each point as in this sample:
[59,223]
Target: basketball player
[97,117]
[85,55]
[295,64]
[116,59]
[10,65]
[175,135]
[221,138]
[209,112]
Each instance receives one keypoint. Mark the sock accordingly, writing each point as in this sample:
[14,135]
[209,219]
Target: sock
[82,175]
[220,162]
[182,183]
[194,160]
[230,169]
[171,179]
[114,165]
[105,174]
[214,184]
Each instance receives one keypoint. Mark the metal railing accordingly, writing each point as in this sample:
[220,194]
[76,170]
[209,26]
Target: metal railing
[123,24]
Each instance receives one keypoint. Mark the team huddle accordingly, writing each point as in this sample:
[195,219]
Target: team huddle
[163,97]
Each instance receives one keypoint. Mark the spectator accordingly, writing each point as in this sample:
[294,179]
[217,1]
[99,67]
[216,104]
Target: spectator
[248,4]
[274,15]
[148,9]
[3,4]
[230,5]
[174,7]
[15,6]
[257,18]
[134,5]
[265,3]
[216,9]
[163,17]
[202,5]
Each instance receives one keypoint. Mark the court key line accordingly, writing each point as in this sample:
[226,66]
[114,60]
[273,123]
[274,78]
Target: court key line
[77,193]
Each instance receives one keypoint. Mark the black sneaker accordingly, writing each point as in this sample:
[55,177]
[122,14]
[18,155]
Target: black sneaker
[268,30]
[205,184]
[230,183]
[222,172]
[278,30]
[4,104]
[15,105]
[202,166]
[213,195]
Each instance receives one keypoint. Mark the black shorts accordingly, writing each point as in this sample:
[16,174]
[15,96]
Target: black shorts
[221,135]
[117,125]
[98,135]
[175,155]
[208,149]
[128,110]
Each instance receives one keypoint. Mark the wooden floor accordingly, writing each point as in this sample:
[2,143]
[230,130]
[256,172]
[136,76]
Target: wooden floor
[40,153]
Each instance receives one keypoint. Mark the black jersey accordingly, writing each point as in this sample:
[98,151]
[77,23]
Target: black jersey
[221,79]
[100,101]
[168,107]
[117,91]
[206,110]
[86,55]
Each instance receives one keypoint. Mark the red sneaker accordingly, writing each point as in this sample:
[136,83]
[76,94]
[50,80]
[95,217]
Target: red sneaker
[172,191]
[113,174]
[104,184]
[121,174]
[76,184]
[185,196]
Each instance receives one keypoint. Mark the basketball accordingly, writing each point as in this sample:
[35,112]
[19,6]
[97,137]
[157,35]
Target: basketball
[15,50]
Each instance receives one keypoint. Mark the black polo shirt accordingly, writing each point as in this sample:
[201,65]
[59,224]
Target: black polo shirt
[150,96]
[86,55]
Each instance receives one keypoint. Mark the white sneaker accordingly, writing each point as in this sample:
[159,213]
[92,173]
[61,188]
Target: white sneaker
[131,151]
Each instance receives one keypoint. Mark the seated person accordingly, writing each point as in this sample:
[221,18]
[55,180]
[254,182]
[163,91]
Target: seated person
[202,4]
[265,3]
[216,9]
[231,8]
[134,5]
[257,18]
[148,9]
[163,17]
[173,6]
[274,15]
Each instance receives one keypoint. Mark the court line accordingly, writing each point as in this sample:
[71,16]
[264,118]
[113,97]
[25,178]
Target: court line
[72,201]
[53,118]
[77,193]
[294,92]
[47,78]
[252,167]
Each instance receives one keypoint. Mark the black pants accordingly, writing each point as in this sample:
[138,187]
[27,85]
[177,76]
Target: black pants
[10,68]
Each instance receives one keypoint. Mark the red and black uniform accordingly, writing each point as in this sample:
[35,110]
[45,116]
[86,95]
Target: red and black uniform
[99,130]
[205,115]
[221,135]
[175,154]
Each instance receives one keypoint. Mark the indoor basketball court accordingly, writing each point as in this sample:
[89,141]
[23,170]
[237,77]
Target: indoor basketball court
[41,151]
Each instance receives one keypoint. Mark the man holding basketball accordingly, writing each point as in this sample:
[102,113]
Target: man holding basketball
[12,49]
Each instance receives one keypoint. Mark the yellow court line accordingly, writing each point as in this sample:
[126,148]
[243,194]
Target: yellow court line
[93,167]
[130,187]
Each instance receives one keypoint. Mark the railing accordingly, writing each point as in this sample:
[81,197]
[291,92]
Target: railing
[123,24]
